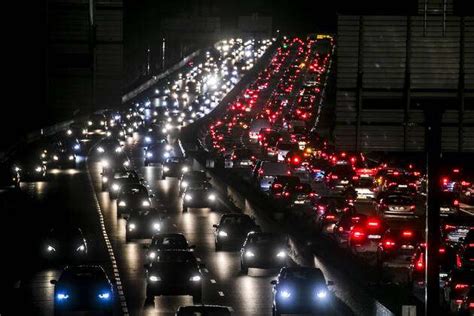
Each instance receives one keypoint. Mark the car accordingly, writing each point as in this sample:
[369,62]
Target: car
[117,132]
[301,290]
[416,269]
[169,241]
[119,178]
[175,167]
[328,211]
[192,178]
[468,194]
[143,223]
[467,306]
[456,288]
[279,183]
[111,162]
[264,251]
[158,153]
[398,246]
[9,177]
[255,127]
[394,205]
[240,158]
[64,244]
[465,255]
[133,197]
[211,310]
[366,235]
[449,202]
[454,229]
[340,177]
[200,196]
[267,173]
[29,167]
[342,228]
[232,230]
[61,157]
[96,124]
[83,288]
[174,272]
[108,147]
[298,195]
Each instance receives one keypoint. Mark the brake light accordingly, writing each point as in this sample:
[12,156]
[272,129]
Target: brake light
[445,180]
[458,262]
[388,243]
[358,234]
[456,170]
[373,223]
[412,207]
[355,178]
[461,286]
[420,263]
[287,193]
[330,217]
[471,245]
[277,186]
[449,227]
[396,173]
[407,233]
[471,305]
[456,203]
[334,176]
[442,250]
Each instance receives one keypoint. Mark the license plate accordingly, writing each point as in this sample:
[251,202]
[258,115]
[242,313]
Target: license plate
[364,175]
[344,181]
[444,209]
[244,163]
[374,236]
[299,202]
[403,186]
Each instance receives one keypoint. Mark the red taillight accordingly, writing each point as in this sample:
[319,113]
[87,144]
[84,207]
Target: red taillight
[461,286]
[407,233]
[388,244]
[458,262]
[449,227]
[420,263]
[287,193]
[358,234]
[334,176]
[330,217]
[396,173]
[412,207]
[456,170]
[471,305]
[445,180]
[455,202]
[442,250]
[373,223]
[296,160]
[277,186]
[355,178]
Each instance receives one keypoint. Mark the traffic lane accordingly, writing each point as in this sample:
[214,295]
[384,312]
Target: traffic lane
[61,200]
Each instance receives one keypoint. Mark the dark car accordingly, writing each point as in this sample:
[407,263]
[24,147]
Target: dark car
[9,177]
[192,178]
[175,167]
[233,229]
[157,153]
[449,203]
[174,272]
[119,179]
[416,269]
[340,177]
[112,162]
[161,242]
[398,246]
[200,196]
[133,197]
[97,124]
[109,147]
[64,244]
[342,228]
[298,195]
[83,288]
[301,290]
[264,250]
[29,167]
[61,157]
[396,205]
[203,310]
[279,183]
[366,235]
[454,229]
[456,288]
[143,223]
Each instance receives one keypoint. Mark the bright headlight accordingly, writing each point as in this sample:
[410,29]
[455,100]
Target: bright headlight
[188,197]
[281,254]
[132,226]
[156,226]
[71,157]
[100,149]
[126,163]
[77,146]
[89,123]
[184,184]
[121,134]
[195,278]
[50,248]
[130,130]
[185,169]
[109,133]
[69,132]
[222,233]
[322,294]
[285,294]
[55,157]
[105,179]
[118,149]
[152,255]
[122,203]
[104,295]
[147,139]
[249,254]
[81,248]
[166,155]
[62,296]
[43,155]
[154,278]
[166,169]
[17,169]
[145,203]
[38,169]
[212,197]
[104,163]
[115,187]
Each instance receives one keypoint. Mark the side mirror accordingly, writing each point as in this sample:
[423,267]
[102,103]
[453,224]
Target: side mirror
[330,283]
[215,225]
[54,282]
[273,282]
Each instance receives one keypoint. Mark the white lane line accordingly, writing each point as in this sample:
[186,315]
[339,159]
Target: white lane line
[110,250]
[213,281]
[205,270]
[221,293]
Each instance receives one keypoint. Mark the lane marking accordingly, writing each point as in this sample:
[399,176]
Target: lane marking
[213,281]
[221,293]
[110,250]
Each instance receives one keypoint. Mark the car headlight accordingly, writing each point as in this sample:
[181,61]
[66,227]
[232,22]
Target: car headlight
[188,197]
[166,169]
[130,130]
[43,155]
[166,155]
[168,147]
[118,149]
[146,203]
[281,254]
[154,278]
[195,278]
[223,233]
[69,132]
[17,169]
[115,187]
[38,169]
[89,123]
[149,154]
[62,296]
[50,248]
[104,296]
[71,157]
[77,146]
[132,226]
[156,226]
[322,294]
[249,254]
[105,179]
[100,149]
[285,294]
[81,248]
[212,197]
[104,163]
[126,163]
[148,139]
[185,169]
[121,133]
[55,157]
[152,255]
[184,184]
[122,203]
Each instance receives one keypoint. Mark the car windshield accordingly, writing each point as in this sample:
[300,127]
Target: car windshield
[176,242]
[266,239]
[304,274]
[175,257]
[399,200]
[235,220]
[134,190]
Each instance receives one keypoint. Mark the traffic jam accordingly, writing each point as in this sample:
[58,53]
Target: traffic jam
[268,139]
